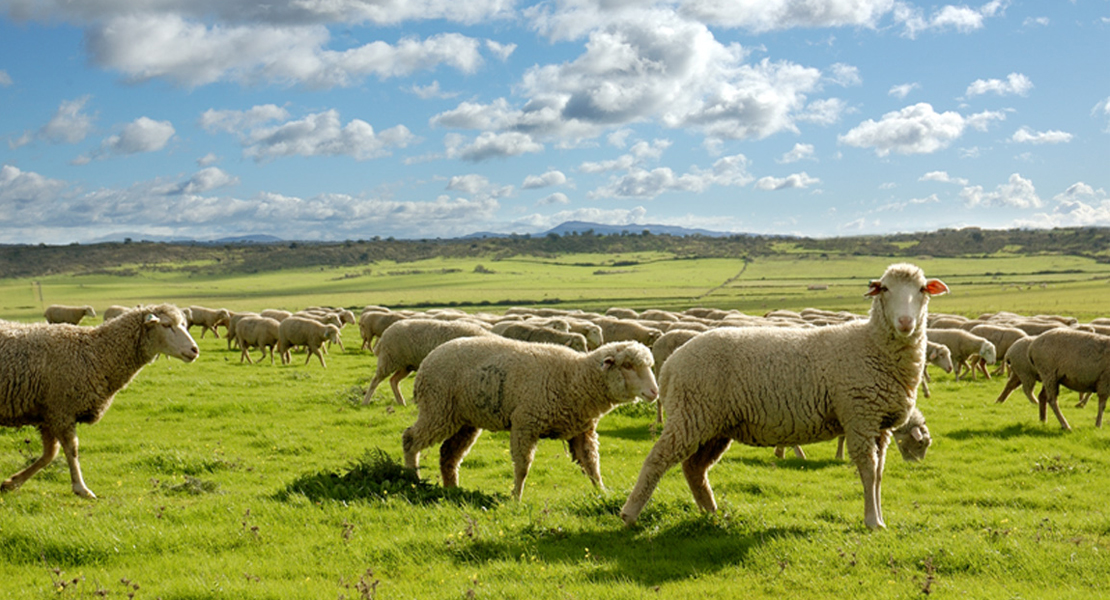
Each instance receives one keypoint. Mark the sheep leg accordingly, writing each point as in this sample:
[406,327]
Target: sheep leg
[840,448]
[584,451]
[1050,396]
[864,451]
[49,451]
[883,444]
[982,366]
[1101,407]
[315,352]
[395,383]
[780,451]
[452,452]
[1083,398]
[696,469]
[799,453]
[1011,385]
[374,383]
[69,446]
[247,355]
[523,449]
[673,446]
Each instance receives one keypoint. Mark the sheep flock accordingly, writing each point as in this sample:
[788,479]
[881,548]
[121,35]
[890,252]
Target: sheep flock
[776,380]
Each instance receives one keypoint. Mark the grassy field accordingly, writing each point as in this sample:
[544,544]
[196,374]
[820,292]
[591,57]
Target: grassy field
[222,480]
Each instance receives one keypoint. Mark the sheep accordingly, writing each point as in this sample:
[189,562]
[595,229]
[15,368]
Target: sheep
[532,390]
[963,345]
[770,387]
[1022,371]
[325,318]
[276,314]
[59,313]
[54,377]
[253,331]
[591,331]
[526,332]
[297,331]
[939,355]
[618,312]
[208,319]
[1075,359]
[626,330]
[1002,337]
[372,324]
[114,311]
[404,346]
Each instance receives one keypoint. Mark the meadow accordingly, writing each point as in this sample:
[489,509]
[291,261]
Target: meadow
[225,480]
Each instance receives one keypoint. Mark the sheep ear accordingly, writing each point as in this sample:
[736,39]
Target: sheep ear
[876,286]
[608,363]
[936,287]
[916,433]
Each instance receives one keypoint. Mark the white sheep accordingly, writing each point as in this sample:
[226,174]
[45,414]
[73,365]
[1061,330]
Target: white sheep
[964,345]
[60,313]
[1076,359]
[253,331]
[114,311]
[54,377]
[208,319]
[626,330]
[276,314]
[373,323]
[298,331]
[1022,372]
[938,355]
[793,386]
[405,344]
[1002,337]
[532,390]
[526,332]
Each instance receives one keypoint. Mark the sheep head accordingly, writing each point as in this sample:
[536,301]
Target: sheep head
[168,331]
[633,361]
[901,298]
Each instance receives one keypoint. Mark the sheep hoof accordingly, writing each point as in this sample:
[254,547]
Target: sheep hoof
[9,486]
[628,519]
[84,492]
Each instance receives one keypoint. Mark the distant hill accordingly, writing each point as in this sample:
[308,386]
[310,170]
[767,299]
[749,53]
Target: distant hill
[580,227]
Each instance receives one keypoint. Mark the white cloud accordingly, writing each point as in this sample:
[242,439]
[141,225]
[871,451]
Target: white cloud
[70,124]
[642,183]
[233,121]
[1028,136]
[141,135]
[845,75]
[556,198]
[797,180]
[770,15]
[203,181]
[1078,206]
[499,50]
[208,160]
[1015,83]
[5,79]
[1103,109]
[322,134]
[191,53]
[943,177]
[25,196]
[491,145]
[798,152]
[432,90]
[1018,192]
[1035,22]
[548,179]
[916,129]
[963,19]
[903,90]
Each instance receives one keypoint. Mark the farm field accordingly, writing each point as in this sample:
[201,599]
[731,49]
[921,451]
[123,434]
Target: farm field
[225,480]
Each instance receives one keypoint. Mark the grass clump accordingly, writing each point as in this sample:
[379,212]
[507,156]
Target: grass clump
[377,476]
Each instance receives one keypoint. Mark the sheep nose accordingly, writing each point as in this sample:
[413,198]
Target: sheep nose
[905,324]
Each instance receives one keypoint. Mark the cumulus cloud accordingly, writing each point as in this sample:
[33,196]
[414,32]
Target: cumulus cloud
[208,160]
[491,145]
[232,121]
[770,15]
[548,179]
[798,152]
[916,129]
[1080,205]
[203,181]
[191,53]
[943,177]
[556,198]
[963,19]
[1018,192]
[141,135]
[1028,136]
[432,90]
[1014,84]
[25,195]
[1102,109]
[642,183]
[796,180]
[323,134]
[70,124]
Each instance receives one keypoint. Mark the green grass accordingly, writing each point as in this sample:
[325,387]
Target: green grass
[221,480]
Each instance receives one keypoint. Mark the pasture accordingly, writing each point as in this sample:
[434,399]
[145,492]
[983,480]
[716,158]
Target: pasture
[219,479]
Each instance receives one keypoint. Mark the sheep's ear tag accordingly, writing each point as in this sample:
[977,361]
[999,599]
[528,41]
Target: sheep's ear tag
[936,287]
[876,287]
[151,318]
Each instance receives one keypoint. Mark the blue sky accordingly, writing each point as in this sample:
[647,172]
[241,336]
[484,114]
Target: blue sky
[350,119]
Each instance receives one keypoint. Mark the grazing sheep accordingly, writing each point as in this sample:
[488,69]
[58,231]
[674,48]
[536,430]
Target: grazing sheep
[527,332]
[590,331]
[404,346]
[232,321]
[618,312]
[778,386]
[254,331]
[1022,371]
[276,314]
[297,331]
[325,318]
[1002,337]
[963,345]
[938,355]
[533,390]
[114,311]
[625,330]
[372,324]
[54,377]
[1075,359]
[208,319]
[59,313]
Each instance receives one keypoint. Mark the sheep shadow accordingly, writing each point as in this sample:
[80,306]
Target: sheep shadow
[1017,430]
[644,554]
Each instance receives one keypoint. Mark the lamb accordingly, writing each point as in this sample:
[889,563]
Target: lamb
[253,331]
[54,377]
[208,319]
[532,390]
[526,332]
[60,313]
[1076,359]
[404,346]
[964,344]
[297,331]
[114,311]
[783,386]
